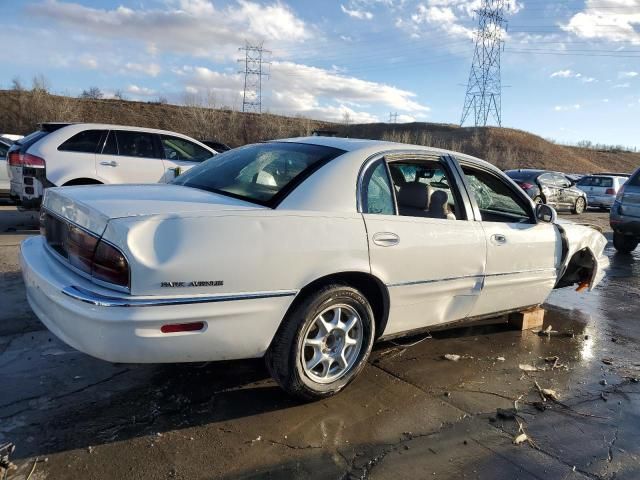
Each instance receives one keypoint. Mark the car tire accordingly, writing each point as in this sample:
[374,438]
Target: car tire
[579,206]
[624,243]
[312,331]
[538,200]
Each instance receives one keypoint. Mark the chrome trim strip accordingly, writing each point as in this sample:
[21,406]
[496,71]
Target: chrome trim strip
[87,296]
[449,279]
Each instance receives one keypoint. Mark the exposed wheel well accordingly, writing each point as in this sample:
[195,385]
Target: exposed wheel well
[370,286]
[579,270]
[82,181]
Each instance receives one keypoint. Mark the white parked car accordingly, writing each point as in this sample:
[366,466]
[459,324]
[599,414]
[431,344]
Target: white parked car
[5,145]
[305,251]
[62,154]
[602,189]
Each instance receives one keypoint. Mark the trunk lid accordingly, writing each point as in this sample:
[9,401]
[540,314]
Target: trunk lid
[91,207]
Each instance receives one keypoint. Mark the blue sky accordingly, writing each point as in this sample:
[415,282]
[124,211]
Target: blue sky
[572,68]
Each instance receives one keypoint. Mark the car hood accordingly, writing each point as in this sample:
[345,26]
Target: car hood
[92,207]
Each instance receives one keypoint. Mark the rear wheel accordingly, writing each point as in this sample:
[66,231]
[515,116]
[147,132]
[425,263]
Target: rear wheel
[323,343]
[579,206]
[624,243]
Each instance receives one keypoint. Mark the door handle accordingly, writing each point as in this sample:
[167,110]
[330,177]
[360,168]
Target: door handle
[498,239]
[386,239]
[112,163]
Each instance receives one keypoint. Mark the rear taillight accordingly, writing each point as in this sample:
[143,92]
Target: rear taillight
[110,265]
[29,160]
[85,251]
[610,191]
[15,159]
[525,185]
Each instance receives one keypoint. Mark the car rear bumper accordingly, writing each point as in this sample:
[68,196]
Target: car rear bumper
[600,200]
[126,329]
[625,224]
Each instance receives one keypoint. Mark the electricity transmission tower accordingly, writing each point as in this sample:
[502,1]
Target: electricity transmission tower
[393,117]
[253,73]
[484,90]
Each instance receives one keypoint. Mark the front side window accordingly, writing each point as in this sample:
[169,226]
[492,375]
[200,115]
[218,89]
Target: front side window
[135,144]
[547,179]
[176,148]
[262,173]
[376,190]
[496,201]
[85,142]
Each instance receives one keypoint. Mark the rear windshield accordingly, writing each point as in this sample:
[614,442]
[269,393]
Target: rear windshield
[263,173]
[32,138]
[606,182]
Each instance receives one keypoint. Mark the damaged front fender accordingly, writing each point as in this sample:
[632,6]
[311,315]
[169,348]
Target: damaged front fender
[583,260]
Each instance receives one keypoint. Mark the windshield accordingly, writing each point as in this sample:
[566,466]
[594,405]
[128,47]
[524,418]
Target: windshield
[519,176]
[263,173]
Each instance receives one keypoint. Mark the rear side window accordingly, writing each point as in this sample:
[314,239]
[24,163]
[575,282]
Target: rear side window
[135,144]
[176,148]
[86,142]
[3,150]
[376,194]
[635,179]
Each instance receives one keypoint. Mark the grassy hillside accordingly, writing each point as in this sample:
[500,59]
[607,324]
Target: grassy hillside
[20,112]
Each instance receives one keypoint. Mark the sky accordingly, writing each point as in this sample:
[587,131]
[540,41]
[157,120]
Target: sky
[570,69]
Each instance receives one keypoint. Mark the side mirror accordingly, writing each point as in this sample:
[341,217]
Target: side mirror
[545,213]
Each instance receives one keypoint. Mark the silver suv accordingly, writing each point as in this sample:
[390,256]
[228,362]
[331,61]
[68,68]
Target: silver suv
[625,215]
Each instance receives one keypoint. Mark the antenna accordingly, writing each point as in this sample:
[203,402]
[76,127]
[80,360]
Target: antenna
[484,91]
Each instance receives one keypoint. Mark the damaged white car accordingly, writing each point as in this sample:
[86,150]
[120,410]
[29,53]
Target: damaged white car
[305,251]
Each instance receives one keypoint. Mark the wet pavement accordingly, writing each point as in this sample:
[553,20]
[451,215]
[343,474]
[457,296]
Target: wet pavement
[411,414]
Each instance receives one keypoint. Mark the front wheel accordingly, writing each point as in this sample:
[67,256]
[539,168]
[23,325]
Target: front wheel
[323,343]
[624,243]
[579,206]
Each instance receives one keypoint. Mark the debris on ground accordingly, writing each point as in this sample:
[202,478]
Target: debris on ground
[500,359]
[546,393]
[6,449]
[607,361]
[525,367]
[451,357]
[603,382]
[506,413]
[550,332]
[521,438]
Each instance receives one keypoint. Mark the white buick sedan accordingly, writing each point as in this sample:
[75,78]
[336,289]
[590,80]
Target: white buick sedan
[305,251]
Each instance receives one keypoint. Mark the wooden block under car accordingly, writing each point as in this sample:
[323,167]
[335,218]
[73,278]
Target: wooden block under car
[527,319]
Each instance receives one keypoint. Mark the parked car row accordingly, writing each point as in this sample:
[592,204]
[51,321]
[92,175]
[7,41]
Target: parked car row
[302,251]
[63,154]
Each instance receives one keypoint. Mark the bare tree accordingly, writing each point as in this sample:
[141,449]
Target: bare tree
[40,83]
[16,84]
[346,118]
[94,93]
[119,94]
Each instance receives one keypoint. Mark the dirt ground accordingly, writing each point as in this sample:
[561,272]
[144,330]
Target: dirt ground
[411,414]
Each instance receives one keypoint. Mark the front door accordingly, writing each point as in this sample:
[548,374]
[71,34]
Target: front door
[522,255]
[130,157]
[420,244]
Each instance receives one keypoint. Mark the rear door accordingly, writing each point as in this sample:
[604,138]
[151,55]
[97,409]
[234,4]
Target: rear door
[180,154]
[431,259]
[4,171]
[522,254]
[550,190]
[130,156]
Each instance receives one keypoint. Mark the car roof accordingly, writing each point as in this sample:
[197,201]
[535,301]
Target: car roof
[370,147]
[109,126]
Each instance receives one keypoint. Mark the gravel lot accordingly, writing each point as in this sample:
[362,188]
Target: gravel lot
[410,415]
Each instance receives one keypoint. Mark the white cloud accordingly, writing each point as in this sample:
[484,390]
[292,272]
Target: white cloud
[564,108]
[151,69]
[140,91]
[589,79]
[628,74]
[563,74]
[88,61]
[622,85]
[310,91]
[193,27]
[613,20]
[355,13]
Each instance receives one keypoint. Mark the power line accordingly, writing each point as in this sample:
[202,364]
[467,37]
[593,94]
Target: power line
[483,88]
[253,62]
